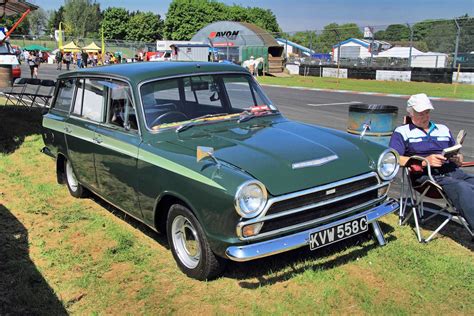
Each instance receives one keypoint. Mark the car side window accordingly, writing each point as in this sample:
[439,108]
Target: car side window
[77,110]
[121,108]
[93,100]
[90,100]
[65,94]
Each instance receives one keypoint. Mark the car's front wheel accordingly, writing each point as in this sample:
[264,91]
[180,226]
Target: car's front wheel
[75,188]
[189,245]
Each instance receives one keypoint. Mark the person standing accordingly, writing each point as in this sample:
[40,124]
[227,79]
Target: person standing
[59,60]
[67,60]
[79,60]
[31,63]
[85,58]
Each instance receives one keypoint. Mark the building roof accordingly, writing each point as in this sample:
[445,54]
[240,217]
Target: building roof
[404,52]
[362,42]
[15,7]
[189,45]
[137,72]
[302,48]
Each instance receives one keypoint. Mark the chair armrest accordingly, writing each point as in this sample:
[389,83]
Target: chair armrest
[421,159]
[468,164]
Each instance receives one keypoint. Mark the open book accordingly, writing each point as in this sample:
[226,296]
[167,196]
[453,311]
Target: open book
[452,151]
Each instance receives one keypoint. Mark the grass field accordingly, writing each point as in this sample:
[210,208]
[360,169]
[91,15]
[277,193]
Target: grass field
[463,91]
[60,255]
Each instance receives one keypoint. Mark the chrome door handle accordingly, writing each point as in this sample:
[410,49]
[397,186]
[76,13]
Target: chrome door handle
[97,140]
[67,130]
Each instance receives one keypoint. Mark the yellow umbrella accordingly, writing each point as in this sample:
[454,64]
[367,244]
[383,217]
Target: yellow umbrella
[71,47]
[91,48]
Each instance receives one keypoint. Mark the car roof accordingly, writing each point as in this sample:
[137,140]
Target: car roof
[142,71]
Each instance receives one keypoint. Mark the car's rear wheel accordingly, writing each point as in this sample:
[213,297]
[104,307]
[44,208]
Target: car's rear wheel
[189,245]
[75,188]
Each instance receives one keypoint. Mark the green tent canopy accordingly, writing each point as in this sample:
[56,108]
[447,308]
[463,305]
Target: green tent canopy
[37,47]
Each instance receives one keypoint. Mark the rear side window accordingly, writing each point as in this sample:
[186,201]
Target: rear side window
[65,94]
[90,99]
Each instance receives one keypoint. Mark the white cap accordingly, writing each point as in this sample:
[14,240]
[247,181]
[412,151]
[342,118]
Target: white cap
[251,57]
[419,102]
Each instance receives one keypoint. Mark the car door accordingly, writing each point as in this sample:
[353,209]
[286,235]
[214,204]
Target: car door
[80,132]
[116,158]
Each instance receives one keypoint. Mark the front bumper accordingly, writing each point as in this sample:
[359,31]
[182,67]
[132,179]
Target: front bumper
[300,239]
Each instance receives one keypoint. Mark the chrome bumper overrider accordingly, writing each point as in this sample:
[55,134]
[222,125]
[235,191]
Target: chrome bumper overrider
[300,239]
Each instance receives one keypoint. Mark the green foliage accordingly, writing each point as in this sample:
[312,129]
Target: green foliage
[144,26]
[186,17]
[22,29]
[466,41]
[37,21]
[54,18]
[307,38]
[115,23]
[263,18]
[397,32]
[334,33]
[81,17]
[441,37]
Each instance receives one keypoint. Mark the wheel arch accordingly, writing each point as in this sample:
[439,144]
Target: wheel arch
[60,171]
[162,207]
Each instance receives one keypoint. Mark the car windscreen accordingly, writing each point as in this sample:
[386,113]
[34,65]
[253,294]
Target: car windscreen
[181,99]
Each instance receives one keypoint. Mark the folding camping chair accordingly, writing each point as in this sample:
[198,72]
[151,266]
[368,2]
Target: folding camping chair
[45,92]
[414,196]
[16,90]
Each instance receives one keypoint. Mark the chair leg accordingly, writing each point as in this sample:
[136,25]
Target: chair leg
[378,233]
[439,228]
[415,216]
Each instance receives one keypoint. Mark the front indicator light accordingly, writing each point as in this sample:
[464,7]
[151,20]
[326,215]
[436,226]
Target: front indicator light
[251,230]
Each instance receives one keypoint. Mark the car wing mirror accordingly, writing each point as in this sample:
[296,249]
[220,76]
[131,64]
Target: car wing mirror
[203,152]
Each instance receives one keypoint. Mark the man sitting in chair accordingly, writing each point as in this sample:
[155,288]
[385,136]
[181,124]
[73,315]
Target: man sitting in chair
[424,138]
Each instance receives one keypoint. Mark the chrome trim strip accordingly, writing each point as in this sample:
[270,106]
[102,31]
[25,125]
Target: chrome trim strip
[312,222]
[286,243]
[314,162]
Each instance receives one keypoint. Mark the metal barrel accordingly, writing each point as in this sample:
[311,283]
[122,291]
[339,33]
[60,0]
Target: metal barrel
[381,118]
[5,76]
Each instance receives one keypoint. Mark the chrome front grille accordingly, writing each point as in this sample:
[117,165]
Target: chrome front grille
[317,206]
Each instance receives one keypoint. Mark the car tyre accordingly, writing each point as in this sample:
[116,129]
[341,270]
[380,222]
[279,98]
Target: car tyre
[189,245]
[75,188]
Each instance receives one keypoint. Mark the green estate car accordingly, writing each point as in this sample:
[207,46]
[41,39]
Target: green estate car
[198,151]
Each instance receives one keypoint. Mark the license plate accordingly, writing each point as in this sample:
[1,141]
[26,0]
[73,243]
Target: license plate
[336,233]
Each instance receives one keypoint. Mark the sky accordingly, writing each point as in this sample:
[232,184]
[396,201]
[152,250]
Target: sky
[301,15]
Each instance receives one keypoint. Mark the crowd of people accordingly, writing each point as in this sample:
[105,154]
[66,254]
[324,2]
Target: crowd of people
[83,59]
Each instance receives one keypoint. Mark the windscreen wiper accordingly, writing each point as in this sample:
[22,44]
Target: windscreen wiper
[247,116]
[195,120]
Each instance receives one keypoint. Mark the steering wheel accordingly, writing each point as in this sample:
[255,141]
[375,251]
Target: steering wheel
[169,115]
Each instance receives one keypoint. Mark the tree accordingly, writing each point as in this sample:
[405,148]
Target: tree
[442,37]
[334,33]
[54,18]
[115,23]
[466,40]
[186,17]
[37,21]
[263,18]
[306,38]
[397,32]
[22,29]
[82,17]
[145,27]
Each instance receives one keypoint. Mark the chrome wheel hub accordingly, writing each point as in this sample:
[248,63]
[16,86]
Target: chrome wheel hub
[186,242]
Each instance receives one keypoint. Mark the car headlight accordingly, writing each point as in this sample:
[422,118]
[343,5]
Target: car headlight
[387,166]
[250,199]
